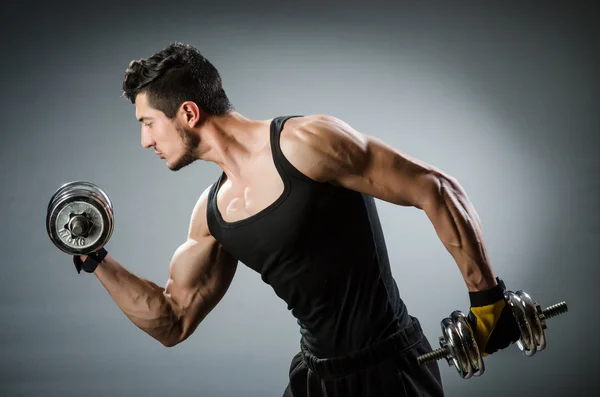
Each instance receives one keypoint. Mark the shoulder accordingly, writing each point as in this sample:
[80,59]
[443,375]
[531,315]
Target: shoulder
[198,226]
[322,145]
[318,127]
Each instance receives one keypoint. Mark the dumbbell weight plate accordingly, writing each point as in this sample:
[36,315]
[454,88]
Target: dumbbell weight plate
[80,186]
[469,344]
[532,332]
[519,309]
[77,198]
[535,318]
[459,356]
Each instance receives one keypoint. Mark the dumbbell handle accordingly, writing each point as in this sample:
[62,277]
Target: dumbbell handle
[444,352]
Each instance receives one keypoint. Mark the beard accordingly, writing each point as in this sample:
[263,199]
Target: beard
[191,142]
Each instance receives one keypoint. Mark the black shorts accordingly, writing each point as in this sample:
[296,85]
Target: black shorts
[386,368]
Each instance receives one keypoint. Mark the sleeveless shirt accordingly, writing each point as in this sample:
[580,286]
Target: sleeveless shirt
[321,248]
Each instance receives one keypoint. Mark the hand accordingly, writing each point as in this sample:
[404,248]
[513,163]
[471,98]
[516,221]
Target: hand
[89,262]
[491,318]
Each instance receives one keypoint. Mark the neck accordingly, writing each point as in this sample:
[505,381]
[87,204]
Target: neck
[231,141]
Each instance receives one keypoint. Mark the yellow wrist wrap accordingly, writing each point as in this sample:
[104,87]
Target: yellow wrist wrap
[486,319]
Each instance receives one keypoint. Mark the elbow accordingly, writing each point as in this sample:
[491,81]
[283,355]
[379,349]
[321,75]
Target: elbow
[439,187]
[174,336]
[173,341]
[169,342]
[445,181]
[178,335]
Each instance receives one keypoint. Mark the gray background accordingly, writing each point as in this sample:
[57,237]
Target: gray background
[503,97]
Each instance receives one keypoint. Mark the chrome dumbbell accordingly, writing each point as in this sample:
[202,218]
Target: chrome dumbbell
[79,218]
[458,346]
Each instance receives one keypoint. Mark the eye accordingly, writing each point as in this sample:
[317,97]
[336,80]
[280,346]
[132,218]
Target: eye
[147,124]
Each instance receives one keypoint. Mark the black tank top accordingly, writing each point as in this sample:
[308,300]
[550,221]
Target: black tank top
[321,248]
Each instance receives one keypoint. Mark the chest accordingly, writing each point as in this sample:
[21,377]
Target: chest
[261,187]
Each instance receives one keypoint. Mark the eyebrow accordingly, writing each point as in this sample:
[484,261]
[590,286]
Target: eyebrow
[141,119]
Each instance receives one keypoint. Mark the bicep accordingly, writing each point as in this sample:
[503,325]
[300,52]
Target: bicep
[199,264]
[200,273]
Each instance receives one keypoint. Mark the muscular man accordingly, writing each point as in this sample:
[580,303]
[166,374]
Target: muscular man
[295,202]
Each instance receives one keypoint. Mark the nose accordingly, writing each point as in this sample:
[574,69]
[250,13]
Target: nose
[147,140]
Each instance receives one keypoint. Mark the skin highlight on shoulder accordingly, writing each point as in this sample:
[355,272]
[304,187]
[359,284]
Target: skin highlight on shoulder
[322,145]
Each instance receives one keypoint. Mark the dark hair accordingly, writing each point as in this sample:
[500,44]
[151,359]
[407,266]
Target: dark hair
[174,75]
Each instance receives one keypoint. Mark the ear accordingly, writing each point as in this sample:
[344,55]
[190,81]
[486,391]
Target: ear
[190,113]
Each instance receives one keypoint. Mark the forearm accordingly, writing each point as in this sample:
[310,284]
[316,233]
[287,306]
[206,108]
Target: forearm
[458,226]
[142,301]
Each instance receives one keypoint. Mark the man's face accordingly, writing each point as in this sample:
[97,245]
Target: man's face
[171,139]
